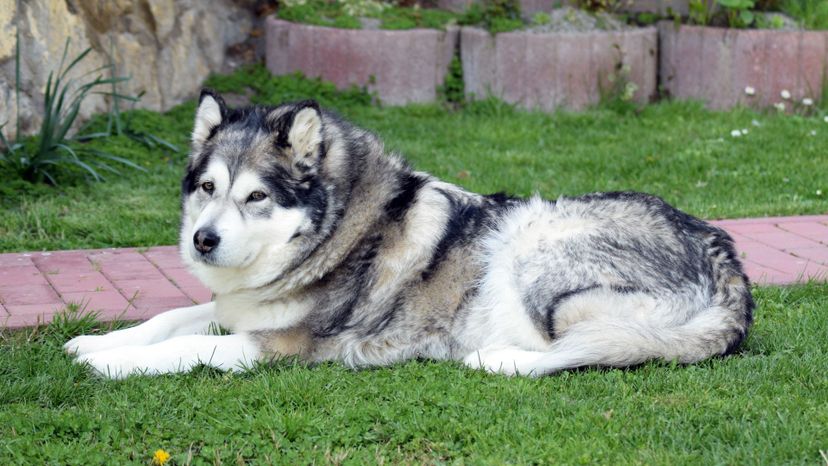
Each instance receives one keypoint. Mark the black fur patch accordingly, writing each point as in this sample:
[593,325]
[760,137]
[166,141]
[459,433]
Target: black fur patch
[409,186]
[557,301]
[464,219]
[356,272]
[283,124]
[466,222]
[194,171]
[281,186]
[289,192]
[379,324]
[501,199]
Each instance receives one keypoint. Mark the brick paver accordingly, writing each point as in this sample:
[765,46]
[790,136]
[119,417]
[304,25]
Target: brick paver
[129,283]
[137,283]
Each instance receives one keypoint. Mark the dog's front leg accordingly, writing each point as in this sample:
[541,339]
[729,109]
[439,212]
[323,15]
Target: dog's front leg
[193,320]
[178,354]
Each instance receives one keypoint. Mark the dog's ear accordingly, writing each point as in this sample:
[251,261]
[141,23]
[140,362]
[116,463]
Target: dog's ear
[299,133]
[210,113]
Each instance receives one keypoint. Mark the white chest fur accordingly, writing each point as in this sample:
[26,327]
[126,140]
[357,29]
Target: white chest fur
[245,312]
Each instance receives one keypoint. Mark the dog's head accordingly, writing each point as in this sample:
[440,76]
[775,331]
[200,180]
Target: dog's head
[252,190]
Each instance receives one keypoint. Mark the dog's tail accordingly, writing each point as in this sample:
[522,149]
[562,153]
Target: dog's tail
[716,329]
[622,335]
[621,343]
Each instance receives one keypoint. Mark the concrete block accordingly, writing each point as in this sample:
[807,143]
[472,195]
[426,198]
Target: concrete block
[716,65]
[550,70]
[400,66]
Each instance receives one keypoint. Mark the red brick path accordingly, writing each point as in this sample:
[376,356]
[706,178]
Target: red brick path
[136,284]
[129,283]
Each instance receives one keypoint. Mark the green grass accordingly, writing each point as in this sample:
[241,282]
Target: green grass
[812,14]
[676,150]
[766,405]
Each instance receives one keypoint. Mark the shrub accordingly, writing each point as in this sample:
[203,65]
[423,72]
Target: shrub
[53,150]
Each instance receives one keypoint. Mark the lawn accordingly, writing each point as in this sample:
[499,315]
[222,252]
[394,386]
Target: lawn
[676,150]
[766,404]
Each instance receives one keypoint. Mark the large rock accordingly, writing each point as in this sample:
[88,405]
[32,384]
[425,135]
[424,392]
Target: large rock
[8,28]
[167,47]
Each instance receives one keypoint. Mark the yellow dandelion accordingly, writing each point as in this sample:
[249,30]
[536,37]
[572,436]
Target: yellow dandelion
[160,457]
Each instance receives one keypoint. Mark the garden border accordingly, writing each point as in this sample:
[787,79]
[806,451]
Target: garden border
[409,67]
[726,67]
[515,66]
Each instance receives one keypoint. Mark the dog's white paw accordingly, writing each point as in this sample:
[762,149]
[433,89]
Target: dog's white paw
[114,363]
[506,360]
[85,344]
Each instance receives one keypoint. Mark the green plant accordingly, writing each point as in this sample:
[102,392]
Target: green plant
[453,89]
[346,14]
[53,150]
[700,11]
[739,12]
[415,17]
[602,6]
[617,90]
[812,14]
[733,13]
[772,22]
[541,18]
[494,15]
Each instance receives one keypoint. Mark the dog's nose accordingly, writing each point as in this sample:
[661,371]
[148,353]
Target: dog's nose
[205,240]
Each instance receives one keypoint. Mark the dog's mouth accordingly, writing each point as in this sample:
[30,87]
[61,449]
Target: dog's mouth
[210,259]
[206,259]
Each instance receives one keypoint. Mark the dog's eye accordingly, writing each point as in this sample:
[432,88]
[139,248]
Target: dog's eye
[256,196]
[208,187]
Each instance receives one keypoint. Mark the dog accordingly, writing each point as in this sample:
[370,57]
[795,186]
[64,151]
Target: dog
[320,245]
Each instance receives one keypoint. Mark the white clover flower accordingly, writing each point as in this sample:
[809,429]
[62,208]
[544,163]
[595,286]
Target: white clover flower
[750,90]
[779,106]
[744,131]
[735,133]
[825,119]
[755,123]
[807,102]
[813,132]
[785,94]
[819,192]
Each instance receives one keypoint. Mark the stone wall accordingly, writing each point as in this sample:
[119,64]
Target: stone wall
[167,47]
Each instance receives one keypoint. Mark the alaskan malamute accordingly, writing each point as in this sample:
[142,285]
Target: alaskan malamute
[318,244]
